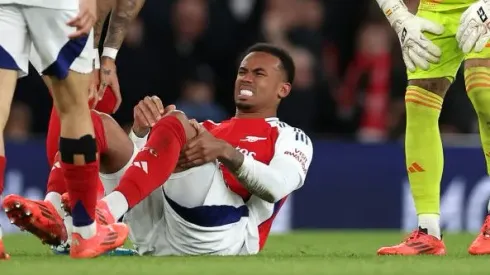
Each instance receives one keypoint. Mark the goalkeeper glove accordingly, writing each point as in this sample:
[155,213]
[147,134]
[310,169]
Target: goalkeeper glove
[417,50]
[474,30]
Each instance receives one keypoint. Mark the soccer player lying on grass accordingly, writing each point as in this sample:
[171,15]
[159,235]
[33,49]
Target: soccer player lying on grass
[231,178]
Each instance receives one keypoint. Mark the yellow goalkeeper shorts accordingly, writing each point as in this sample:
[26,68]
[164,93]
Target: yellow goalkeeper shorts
[452,56]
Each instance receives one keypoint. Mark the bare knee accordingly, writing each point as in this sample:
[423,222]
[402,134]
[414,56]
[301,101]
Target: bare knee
[437,86]
[71,94]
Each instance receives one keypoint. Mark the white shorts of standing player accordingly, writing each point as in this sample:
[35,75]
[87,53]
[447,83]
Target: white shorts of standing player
[194,213]
[41,35]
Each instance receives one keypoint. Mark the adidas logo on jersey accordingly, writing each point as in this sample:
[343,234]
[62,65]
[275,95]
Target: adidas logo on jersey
[141,164]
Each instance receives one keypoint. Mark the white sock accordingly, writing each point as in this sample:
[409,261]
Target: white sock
[431,223]
[1,233]
[55,199]
[87,231]
[488,207]
[69,227]
[117,203]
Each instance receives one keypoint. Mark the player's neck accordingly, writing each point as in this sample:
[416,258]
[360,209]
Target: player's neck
[256,114]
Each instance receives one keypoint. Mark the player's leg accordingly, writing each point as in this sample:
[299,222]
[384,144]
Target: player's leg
[14,53]
[47,221]
[152,165]
[423,146]
[69,64]
[477,81]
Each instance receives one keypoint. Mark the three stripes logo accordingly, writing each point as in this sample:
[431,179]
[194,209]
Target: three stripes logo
[45,211]
[141,164]
[101,218]
[415,167]
[420,247]
[301,136]
[110,239]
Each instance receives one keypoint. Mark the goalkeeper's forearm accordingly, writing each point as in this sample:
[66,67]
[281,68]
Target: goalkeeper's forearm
[122,15]
[103,9]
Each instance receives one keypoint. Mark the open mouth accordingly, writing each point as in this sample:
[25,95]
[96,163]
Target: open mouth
[245,93]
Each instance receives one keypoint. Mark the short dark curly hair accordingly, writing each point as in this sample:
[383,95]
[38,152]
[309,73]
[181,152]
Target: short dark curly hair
[287,62]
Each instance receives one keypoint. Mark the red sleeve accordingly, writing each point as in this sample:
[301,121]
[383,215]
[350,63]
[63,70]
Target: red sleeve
[209,125]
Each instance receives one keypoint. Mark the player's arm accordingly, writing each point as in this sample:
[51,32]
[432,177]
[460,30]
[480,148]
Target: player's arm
[123,14]
[285,173]
[417,50]
[474,30]
[104,7]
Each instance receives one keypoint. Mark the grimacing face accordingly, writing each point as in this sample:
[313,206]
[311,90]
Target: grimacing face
[260,82]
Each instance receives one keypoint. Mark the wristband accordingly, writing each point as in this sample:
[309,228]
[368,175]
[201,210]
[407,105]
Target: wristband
[110,52]
[96,59]
[392,9]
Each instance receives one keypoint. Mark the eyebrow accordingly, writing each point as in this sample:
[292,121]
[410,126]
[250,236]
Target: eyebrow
[260,69]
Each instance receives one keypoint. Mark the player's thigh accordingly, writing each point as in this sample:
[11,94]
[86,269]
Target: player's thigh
[14,40]
[202,185]
[14,52]
[57,54]
[145,221]
[451,57]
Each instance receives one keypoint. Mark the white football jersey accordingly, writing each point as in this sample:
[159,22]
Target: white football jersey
[49,4]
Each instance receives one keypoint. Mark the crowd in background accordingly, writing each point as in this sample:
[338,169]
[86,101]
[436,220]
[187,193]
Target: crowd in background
[350,78]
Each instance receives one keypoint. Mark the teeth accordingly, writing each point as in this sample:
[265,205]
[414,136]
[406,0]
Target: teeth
[246,92]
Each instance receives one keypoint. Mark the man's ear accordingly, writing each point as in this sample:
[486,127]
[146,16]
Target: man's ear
[284,91]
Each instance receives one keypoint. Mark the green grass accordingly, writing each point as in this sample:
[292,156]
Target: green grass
[305,253]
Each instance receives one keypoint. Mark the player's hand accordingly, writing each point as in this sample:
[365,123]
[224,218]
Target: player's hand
[108,77]
[417,50]
[85,20]
[147,113]
[474,30]
[202,149]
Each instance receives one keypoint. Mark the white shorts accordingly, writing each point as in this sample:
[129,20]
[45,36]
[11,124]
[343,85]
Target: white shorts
[23,28]
[194,214]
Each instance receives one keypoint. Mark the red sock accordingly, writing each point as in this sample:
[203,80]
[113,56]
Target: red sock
[56,181]
[53,136]
[3,162]
[54,130]
[81,180]
[155,162]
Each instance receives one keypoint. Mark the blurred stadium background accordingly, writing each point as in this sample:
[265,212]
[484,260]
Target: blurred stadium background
[348,96]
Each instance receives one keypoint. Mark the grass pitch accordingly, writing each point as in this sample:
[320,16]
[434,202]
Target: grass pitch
[305,253]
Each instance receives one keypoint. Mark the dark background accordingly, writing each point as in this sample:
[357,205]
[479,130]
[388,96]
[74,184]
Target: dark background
[350,76]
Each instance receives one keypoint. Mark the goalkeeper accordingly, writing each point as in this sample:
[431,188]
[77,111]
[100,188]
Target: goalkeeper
[434,43]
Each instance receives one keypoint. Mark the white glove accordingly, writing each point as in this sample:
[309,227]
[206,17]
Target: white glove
[417,50]
[474,30]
